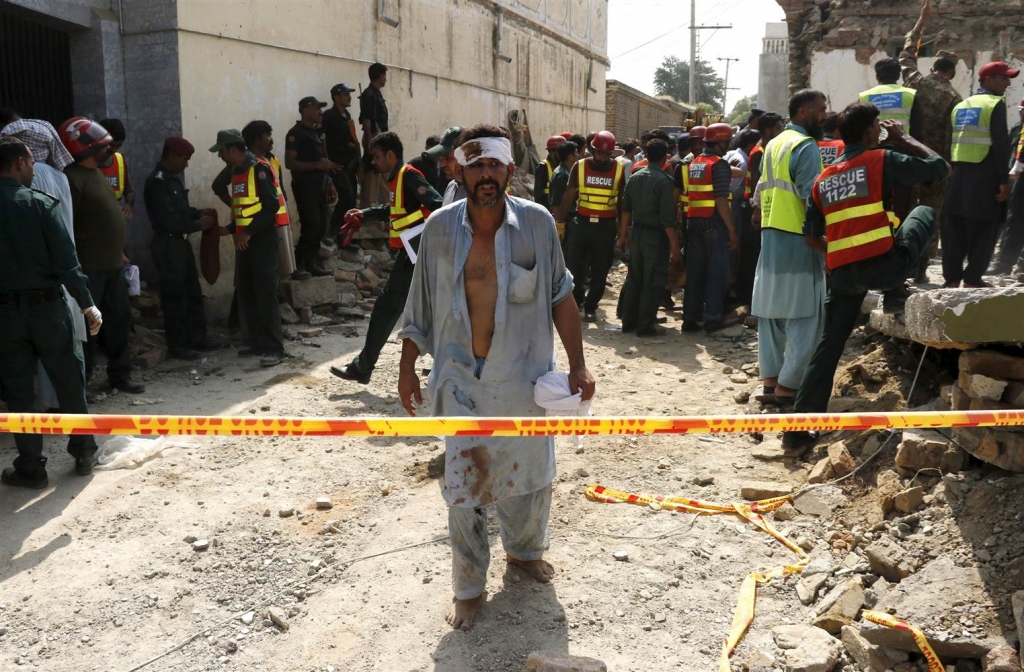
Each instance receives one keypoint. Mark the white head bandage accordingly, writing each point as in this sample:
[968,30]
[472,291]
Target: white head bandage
[499,149]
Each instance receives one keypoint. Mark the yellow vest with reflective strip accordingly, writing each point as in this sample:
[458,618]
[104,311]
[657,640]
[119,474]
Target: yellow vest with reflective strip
[972,128]
[401,219]
[781,205]
[893,102]
[598,201]
[684,195]
[547,185]
[245,198]
[115,174]
[701,196]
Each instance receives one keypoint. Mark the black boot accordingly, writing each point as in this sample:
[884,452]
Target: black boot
[35,479]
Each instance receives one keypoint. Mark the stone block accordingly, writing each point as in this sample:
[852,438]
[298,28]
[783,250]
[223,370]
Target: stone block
[929,596]
[369,277]
[842,462]
[553,661]
[316,291]
[889,324]
[1014,394]
[807,588]
[808,649]
[288,314]
[966,317]
[770,450]
[928,449]
[820,501]
[908,500]
[989,405]
[840,606]
[991,363]
[888,560]
[1000,448]
[305,315]
[756,491]
[978,386]
[345,276]
[959,399]
[821,472]
[1001,659]
[867,655]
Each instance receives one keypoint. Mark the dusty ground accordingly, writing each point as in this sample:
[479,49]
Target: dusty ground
[96,573]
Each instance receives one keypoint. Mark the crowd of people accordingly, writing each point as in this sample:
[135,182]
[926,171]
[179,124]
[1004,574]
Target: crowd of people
[796,217]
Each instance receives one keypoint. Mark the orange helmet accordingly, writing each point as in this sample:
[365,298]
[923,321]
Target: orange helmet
[718,133]
[566,134]
[603,141]
[697,132]
[83,137]
[554,141]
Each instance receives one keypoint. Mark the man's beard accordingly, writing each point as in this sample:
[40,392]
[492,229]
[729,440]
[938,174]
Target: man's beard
[813,129]
[486,201]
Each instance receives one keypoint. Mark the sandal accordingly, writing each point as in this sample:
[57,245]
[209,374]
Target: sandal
[765,394]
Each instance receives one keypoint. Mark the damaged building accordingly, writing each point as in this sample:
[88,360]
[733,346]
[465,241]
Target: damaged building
[833,44]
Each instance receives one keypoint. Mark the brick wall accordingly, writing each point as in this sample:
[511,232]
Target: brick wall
[630,112]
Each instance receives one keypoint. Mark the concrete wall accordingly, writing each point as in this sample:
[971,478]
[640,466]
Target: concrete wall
[773,69]
[841,76]
[442,70]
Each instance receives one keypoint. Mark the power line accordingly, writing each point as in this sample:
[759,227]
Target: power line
[649,41]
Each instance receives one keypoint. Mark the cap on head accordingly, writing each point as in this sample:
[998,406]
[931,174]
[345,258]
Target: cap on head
[718,133]
[229,136]
[997,68]
[697,132]
[83,137]
[179,146]
[447,144]
[603,141]
[554,141]
[337,90]
[310,100]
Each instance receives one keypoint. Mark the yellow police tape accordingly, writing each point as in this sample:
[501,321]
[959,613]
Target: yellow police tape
[882,618]
[46,423]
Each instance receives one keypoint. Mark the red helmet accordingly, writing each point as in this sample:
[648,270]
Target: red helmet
[718,133]
[566,134]
[603,141]
[697,132]
[83,137]
[554,141]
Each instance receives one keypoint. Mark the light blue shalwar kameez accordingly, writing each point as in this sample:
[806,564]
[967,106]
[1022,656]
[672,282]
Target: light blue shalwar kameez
[513,473]
[789,286]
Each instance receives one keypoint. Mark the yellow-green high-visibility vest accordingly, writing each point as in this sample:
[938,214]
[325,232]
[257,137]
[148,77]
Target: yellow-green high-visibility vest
[893,101]
[781,205]
[972,131]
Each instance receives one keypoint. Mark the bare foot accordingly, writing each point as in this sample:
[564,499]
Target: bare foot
[462,613]
[540,570]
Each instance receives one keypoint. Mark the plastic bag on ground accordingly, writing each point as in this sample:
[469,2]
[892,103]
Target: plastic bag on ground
[129,452]
[552,393]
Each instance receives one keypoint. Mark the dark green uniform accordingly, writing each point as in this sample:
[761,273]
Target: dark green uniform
[559,183]
[649,198]
[391,303]
[181,297]
[256,268]
[36,258]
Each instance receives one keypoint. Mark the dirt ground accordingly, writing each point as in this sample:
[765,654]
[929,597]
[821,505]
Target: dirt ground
[99,573]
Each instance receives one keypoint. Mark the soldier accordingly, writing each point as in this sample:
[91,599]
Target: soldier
[37,257]
[311,184]
[648,228]
[936,98]
[254,208]
[173,219]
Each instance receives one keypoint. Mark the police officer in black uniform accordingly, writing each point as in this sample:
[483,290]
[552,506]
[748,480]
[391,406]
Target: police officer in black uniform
[311,183]
[36,258]
[341,146]
[173,219]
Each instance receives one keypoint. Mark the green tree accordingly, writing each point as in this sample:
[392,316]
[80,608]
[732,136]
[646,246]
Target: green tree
[741,110]
[673,79]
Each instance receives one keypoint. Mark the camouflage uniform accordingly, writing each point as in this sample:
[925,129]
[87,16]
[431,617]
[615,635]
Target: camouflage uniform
[937,98]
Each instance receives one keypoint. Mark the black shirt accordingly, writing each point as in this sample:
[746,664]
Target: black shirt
[431,170]
[373,108]
[338,132]
[167,205]
[306,142]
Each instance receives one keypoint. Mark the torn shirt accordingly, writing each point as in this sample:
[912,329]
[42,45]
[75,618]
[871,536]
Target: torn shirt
[532,279]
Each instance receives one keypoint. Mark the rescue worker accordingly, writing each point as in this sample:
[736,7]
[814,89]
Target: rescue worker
[429,164]
[936,98]
[789,284]
[173,219]
[254,208]
[99,240]
[980,181]
[311,184]
[850,219]
[545,170]
[37,257]
[115,166]
[710,233]
[567,154]
[648,228]
[893,100]
[656,134]
[259,139]
[831,146]
[412,199]
[595,187]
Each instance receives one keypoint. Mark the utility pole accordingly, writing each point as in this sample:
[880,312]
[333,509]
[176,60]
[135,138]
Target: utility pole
[725,89]
[694,32]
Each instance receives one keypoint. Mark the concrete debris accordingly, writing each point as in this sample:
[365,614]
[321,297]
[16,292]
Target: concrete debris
[889,560]
[807,588]
[840,606]
[934,600]
[820,501]
[311,332]
[553,661]
[278,618]
[1001,448]
[977,386]
[786,512]
[621,556]
[842,462]
[991,363]
[703,480]
[965,317]
[822,471]
[756,491]
[807,649]
[867,655]
[286,512]
[316,291]
[928,449]
[200,544]
[909,500]
[288,314]
[1001,659]
[770,450]
[324,503]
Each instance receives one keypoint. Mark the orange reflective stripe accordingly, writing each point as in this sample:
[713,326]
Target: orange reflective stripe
[115,174]
[245,200]
[402,219]
[701,190]
[281,217]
